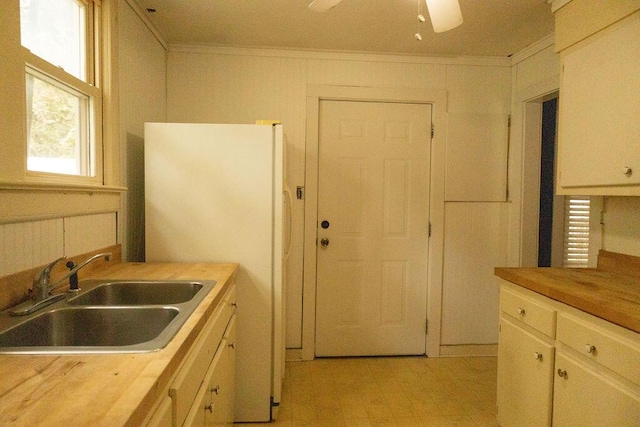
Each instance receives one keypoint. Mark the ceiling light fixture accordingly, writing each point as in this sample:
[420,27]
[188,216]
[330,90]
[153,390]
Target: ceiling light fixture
[445,14]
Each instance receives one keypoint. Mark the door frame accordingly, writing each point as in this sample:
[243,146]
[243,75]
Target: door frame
[437,99]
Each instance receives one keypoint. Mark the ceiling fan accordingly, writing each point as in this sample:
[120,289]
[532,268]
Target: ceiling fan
[445,14]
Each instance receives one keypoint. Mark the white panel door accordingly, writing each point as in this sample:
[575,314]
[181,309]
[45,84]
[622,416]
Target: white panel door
[373,210]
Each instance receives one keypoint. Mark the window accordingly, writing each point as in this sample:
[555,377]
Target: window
[63,99]
[577,212]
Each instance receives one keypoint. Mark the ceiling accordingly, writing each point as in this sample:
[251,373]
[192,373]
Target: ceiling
[490,27]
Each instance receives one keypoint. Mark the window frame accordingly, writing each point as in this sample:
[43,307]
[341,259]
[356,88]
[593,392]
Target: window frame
[91,88]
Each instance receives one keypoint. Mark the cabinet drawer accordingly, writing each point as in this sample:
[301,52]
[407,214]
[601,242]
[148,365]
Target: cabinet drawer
[600,345]
[185,387]
[533,313]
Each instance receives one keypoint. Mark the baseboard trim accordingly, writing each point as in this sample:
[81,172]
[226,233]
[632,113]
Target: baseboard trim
[293,355]
[469,350]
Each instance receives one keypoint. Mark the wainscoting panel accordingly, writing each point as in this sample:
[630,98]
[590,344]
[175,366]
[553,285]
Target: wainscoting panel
[28,244]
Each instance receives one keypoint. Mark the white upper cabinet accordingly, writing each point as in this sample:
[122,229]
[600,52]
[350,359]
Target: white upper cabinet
[599,125]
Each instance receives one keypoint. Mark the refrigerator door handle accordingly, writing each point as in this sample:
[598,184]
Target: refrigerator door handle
[287,245]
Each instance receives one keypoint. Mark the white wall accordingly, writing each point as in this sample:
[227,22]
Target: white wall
[242,85]
[143,79]
[622,225]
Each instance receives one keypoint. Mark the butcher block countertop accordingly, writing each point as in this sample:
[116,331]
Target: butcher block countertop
[106,389]
[611,291]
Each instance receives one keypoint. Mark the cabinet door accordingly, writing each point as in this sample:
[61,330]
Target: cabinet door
[525,377]
[221,384]
[599,130]
[162,416]
[585,398]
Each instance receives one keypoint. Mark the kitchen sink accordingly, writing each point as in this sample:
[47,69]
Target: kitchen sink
[90,327]
[138,293]
[109,316]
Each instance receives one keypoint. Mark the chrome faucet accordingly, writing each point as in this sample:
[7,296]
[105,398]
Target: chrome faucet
[42,285]
[41,281]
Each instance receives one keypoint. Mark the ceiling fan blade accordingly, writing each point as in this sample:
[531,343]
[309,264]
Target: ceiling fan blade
[445,15]
[323,5]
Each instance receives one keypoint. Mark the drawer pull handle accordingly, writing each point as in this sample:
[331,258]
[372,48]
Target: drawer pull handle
[521,311]
[215,389]
[538,356]
[562,373]
[209,408]
[591,349]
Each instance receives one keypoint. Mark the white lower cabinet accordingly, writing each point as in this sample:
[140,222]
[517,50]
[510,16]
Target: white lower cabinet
[203,390]
[560,366]
[584,397]
[214,402]
[525,377]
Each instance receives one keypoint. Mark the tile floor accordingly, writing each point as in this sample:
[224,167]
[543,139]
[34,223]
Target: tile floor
[390,391]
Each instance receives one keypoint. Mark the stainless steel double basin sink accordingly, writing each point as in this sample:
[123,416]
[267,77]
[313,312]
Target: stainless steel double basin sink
[107,316]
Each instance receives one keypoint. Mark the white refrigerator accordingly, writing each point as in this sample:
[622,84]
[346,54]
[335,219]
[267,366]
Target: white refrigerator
[214,193]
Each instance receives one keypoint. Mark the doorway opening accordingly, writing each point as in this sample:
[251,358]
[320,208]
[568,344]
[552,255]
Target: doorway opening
[551,214]
[557,231]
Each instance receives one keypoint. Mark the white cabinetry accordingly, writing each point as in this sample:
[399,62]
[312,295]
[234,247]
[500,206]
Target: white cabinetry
[599,130]
[584,397]
[525,360]
[563,367]
[597,374]
[214,401]
[203,391]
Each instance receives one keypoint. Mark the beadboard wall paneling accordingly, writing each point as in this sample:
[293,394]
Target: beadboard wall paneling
[86,233]
[376,74]
[25,245]
[143,84]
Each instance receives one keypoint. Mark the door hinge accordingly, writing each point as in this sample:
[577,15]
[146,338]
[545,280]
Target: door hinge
[429,229]
[509,121]
[300,192]
[426,326]
[432,130]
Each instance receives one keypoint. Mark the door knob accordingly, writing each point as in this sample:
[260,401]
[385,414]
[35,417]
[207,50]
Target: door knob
[324,242]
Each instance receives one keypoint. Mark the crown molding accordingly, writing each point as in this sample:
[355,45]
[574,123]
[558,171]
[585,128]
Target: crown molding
[532,49]
[557,4]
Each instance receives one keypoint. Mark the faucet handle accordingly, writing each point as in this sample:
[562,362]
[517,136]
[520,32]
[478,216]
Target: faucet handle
[73,279]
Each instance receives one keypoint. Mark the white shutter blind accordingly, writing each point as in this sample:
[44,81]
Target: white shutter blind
[576,231]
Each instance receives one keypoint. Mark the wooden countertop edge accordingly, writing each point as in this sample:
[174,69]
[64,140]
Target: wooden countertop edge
[590,304]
